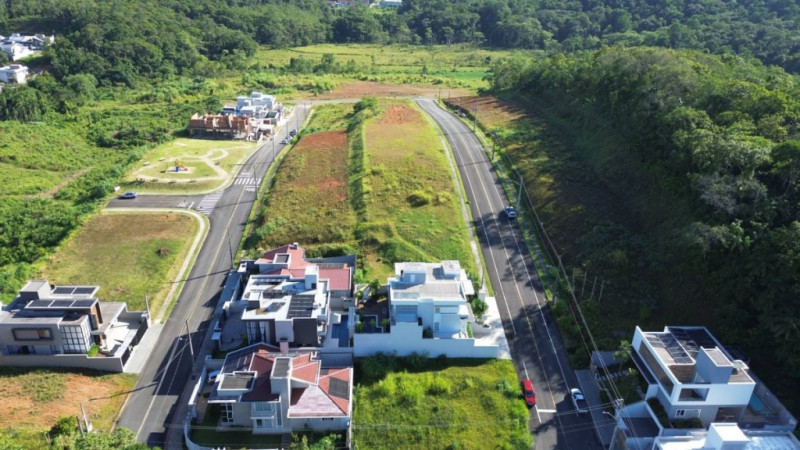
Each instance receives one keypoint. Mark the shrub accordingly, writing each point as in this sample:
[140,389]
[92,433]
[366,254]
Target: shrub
[419,198]
[427,333]
[360,327]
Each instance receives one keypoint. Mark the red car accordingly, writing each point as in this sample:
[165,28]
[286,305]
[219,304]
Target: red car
[528,393]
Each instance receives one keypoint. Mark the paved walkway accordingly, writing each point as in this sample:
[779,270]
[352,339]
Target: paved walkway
[494,335]
[603,425]
[141,352]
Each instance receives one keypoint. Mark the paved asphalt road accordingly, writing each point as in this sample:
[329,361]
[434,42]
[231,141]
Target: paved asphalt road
[150,407]
[535,343]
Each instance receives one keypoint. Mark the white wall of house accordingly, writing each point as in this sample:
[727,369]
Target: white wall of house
[318,423]
[406,338]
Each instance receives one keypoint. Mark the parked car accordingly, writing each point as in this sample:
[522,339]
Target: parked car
[128,195]
[511,212]
[528,393]
[579,401]
[285,140]
[292,132]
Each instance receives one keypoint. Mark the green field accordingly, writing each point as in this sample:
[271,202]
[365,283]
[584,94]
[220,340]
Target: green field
[417,402]
[412,210]
[209,164]
[128,255]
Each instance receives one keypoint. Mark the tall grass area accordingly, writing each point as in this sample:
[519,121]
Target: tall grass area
[126,264]
[308,200]
[412,212]
[439,65]
[417,402]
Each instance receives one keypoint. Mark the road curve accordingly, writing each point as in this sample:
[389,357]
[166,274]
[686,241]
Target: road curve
[535,343]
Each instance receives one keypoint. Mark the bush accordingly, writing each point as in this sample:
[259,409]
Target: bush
[427,333]
[419,198]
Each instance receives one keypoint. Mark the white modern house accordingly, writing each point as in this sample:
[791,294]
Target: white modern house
[728,436]
[270,391]
[19,46]
[427,312]
[14,73]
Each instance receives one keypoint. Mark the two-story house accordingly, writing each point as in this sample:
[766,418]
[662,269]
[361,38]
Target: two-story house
[45,320]
[428,312]
[273,392]
[289,300]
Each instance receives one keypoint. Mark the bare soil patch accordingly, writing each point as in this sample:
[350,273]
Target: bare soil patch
[360,89]
[492,112]
[29,403]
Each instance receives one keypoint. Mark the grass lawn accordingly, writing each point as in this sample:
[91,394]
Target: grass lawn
[127,254]
[438,403]
[308,202]
[412,209]
[34,399]
[209,163]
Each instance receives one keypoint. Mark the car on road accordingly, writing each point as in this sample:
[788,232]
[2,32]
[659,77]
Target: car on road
[128,195]
[511,212]
[285,140]
[292,132]
[579,401]
[528,393]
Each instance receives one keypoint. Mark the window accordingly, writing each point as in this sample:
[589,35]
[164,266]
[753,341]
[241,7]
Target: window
[259,423]
[227,413]
[76,338]
[687,413]
[32,334]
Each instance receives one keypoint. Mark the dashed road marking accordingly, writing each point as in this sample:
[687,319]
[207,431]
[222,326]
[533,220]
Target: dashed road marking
[207,204]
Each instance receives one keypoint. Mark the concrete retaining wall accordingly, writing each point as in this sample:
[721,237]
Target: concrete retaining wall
[406,338]
[106,364]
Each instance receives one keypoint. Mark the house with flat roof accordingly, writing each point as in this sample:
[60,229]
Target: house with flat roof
[270,391]
[14,73]
[57,326]
[728,436]
[289,299]
[427,312]
[694,376]
[19,46]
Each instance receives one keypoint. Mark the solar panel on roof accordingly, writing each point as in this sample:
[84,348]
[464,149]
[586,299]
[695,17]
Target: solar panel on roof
[83,303]
[281,368]
[84,290]
[61,304]
[39,304]
[63,290]
[339,388]
[300,307]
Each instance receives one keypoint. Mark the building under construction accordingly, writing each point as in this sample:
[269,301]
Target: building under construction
[219,126]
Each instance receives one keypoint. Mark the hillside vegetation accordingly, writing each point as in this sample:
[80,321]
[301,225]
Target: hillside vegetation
[692,163]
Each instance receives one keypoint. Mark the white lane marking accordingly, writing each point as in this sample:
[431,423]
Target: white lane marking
[546,411]
[526,370]
[207,204]
[190,206]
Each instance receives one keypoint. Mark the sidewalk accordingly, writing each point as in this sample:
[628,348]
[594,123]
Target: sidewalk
[603,424]
[495,334]
[141,352]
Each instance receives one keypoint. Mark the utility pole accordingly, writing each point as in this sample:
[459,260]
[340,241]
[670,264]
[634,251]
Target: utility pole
[519,194]
[558,278]
[189,338]
[147,305]
[475,117]
[86,420]
[230,247]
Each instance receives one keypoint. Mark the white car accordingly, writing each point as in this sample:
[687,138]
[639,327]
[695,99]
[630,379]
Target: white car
[511,212]
[579,401]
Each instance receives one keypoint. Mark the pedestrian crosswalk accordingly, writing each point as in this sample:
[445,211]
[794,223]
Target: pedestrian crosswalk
[207,204]
[247,181]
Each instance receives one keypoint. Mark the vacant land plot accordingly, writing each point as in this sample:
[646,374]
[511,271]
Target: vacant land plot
[35,158]
[201,165]
[412,209]
[492,111]
[34,399]
[359,89]
[308,202]
[128,255]
[438,403]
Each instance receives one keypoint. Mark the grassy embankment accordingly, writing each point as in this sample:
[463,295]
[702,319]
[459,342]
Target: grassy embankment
[210,164]
[34,399]
[128,255]
[417,402]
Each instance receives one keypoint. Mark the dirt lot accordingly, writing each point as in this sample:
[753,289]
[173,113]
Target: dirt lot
[360,89]
[36,398]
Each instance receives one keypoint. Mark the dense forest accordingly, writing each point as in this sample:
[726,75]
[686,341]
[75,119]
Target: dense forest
[701,155]
[116,41]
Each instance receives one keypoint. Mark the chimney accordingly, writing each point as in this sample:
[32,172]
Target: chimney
[284,345]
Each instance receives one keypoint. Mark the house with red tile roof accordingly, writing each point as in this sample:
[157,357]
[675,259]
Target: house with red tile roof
[274,392]
[289,299]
